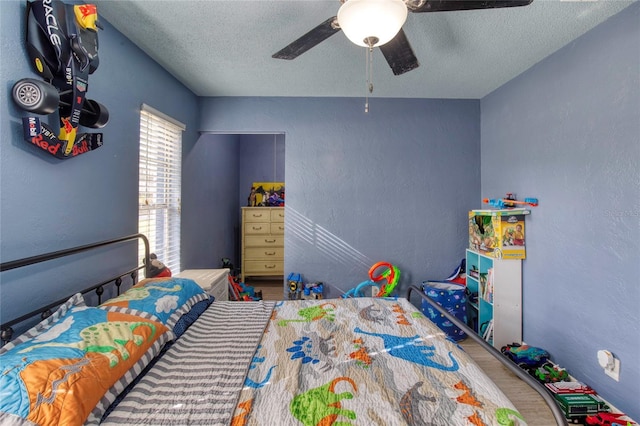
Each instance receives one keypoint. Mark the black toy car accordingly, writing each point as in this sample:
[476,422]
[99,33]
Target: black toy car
[62,44]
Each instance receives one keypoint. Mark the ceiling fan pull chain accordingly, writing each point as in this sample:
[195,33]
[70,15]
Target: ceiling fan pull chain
[369,75]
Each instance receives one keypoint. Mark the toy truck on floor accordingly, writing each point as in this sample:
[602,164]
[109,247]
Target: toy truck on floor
[577,406]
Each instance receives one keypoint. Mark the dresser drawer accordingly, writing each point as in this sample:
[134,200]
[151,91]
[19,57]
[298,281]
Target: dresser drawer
[263,241]
[277,215]
[257,228]
[277,228]
[257,214]
[264,253]
[263,267]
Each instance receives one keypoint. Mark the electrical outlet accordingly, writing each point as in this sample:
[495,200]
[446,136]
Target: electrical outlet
[610,363]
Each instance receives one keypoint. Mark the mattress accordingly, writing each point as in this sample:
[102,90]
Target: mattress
[360,361]
[213,281]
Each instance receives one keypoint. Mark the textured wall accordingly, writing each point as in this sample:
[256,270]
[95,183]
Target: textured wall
[261,160]
[49,204]
[393,185]
[568,132]
[209,180]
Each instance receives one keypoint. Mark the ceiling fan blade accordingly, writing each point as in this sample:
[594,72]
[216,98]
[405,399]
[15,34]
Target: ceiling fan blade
[399,54]
[418,6]
[309,40]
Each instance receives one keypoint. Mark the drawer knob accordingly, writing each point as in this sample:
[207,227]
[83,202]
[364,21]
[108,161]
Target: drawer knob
[269,241]
[270,266]
[257,215]
[270,253]
[257,228]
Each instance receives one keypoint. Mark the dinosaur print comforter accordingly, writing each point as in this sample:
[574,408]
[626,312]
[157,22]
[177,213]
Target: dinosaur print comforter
[358,361]
[365,361]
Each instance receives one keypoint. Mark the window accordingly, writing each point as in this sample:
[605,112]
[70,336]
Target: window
[159,185]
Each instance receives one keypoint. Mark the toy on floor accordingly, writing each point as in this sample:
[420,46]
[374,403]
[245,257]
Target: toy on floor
[241,292]
[578,406]
[509,202]
[294,281]
[391,275]
[313,290]
[608,419]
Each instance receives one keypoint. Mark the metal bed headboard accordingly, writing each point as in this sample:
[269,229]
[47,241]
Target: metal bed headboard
[510,365]
[45,311]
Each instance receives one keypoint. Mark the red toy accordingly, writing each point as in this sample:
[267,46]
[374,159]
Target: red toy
[157,269]
[569,387]
[608,419]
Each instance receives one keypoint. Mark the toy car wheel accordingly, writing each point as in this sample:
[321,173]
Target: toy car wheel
[94,114]
[35,96]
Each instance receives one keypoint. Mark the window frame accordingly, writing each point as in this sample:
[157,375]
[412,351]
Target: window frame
[160,185]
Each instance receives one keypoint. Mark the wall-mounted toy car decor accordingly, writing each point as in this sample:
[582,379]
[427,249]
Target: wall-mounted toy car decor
[62,43]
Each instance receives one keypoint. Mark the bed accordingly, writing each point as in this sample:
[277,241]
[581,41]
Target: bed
[165,353]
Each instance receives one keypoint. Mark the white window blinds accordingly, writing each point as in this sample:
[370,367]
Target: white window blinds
[159,185]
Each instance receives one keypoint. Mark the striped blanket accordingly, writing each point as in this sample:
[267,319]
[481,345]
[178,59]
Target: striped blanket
[360,361]
[194,382]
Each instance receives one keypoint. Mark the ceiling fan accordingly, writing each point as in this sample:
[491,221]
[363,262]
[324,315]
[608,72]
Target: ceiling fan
[397,51]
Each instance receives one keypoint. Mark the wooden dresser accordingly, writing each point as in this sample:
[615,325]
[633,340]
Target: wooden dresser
[262,241]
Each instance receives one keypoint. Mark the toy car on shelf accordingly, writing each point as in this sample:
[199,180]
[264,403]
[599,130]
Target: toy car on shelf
[608,419]
[62,44]
[527,357]
[548,372]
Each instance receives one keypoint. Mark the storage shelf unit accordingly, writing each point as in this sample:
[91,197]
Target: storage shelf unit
[262,241]
[498,284]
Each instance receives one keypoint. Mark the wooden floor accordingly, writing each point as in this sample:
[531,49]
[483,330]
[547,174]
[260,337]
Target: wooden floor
[529,403]
[272,289]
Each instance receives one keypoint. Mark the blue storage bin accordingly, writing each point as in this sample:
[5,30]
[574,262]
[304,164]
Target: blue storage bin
[453,298]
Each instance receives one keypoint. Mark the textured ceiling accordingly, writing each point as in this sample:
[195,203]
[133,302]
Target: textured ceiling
[224,48]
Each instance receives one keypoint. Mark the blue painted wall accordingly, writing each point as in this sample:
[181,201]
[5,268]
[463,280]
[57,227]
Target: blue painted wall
[48,204]
[567,131]
[209,181]
[261,160]
[394,184]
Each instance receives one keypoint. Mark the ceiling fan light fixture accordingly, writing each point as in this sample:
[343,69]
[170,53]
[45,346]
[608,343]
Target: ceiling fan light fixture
[364,21]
